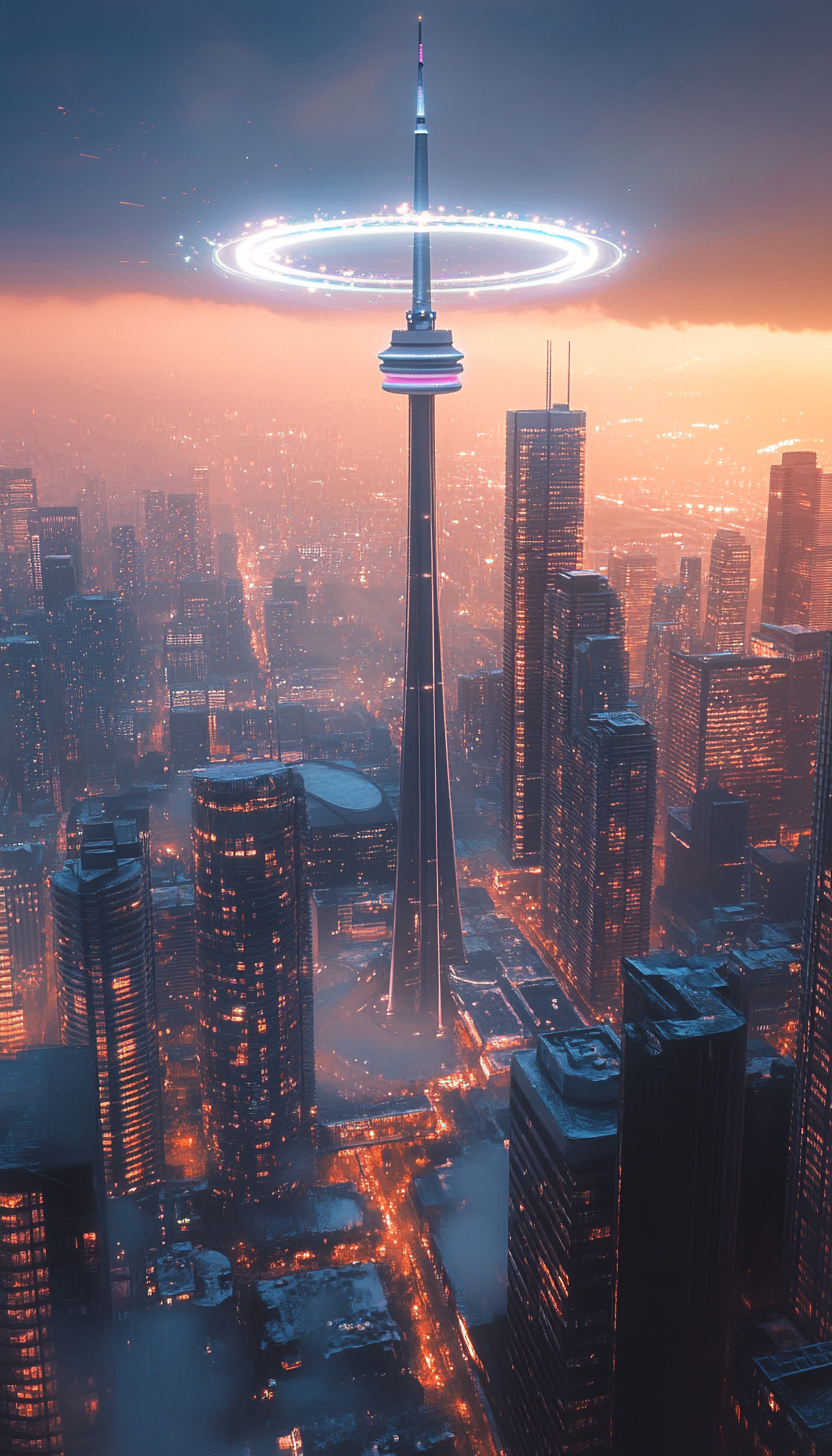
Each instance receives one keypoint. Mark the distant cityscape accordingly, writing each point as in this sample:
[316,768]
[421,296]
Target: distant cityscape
[415,1008]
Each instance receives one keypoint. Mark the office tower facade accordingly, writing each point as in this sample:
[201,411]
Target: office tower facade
[22,946]
[690,580]
[729,579]
[706,845]
[154,510]
[58,583]
[633,576]
[727,717]
[107,1000]
[280,634]
[24,742]
[802,650]
[544,530]
[126,564]
[810,1175]
[668,632]
[186,654]
[778,878]
[190,737]
[797,575]
[95,663]
[769,1089]
[18,496]
[54,1260]
[254,970]
[200,485]
[182,536]
[479,709]
[563,1174]
[94,507]
[683,1073]
[54,531]
[420,363]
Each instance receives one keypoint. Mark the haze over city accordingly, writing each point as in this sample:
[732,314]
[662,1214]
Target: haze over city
[415,723]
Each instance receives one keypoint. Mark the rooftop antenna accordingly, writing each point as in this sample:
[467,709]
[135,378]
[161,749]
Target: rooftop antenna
[569,375]
[548,374]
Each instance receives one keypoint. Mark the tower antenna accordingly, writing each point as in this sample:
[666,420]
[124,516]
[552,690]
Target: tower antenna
[569,375]
[548,374]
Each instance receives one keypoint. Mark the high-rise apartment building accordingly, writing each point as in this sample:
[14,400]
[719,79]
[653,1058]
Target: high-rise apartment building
[55,1381]
[254,970]
[809,1248]
[95,662]
[683,1074]
[727,717]
[22,946]
[479,710]
[104,950]
[802,651]
[182,536]
[563,1177]
[633,576]
[24,741]
[728,583]
[200,482]
[797,575]
[155,536]
[544,534]
[126,564]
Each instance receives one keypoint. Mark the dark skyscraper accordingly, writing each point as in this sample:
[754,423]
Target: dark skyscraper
[802,651]
[599,786]
[94,663]
[563,1177]
[797,577]
[633,577]
[543,536]
[228,552]
[55,531]
[200,477]
[104,950]
[58,582]
[480,701]
[706,843]
[182,536]
[810,1191]
[727,716]
[728,584]
[155,535]
[54,1261]
[690,580]
[24,741]
[422,362]
[683,1074]
[254,970]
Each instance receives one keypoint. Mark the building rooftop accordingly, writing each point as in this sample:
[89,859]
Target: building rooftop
[572,1080]
[800,1382]
[48,1109]
[328,1310]
[212,1279]
[486,1012]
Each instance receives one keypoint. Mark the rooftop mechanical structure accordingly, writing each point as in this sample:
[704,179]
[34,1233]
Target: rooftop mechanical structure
[422,362]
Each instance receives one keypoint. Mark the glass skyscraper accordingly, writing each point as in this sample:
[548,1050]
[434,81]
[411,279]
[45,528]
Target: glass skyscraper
[728,584]
[254,970]
[544,531]
[797,576]
[633,576]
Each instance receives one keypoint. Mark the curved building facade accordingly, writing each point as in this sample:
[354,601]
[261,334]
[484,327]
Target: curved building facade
[352,827]
[104,949]
[254,969]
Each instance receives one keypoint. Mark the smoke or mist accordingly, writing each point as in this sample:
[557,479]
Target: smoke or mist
[473,1239]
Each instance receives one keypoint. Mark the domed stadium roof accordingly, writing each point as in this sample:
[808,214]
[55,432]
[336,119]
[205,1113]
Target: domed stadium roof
[339,793]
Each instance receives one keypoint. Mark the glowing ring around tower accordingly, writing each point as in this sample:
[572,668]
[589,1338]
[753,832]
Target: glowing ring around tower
[264,256]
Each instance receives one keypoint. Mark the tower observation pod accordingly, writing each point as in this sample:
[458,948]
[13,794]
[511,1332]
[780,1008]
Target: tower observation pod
[422,362]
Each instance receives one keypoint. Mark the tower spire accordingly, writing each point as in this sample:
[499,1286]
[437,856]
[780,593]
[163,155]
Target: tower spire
[421,315]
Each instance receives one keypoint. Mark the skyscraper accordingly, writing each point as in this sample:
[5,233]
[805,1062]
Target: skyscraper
[706,845]
[55,531]
[155,536]
[422,362]
[563,1176]
[728,584]
[727,716]
[126,565]
[683,1074]
[797,576]
[544,534]
[58,582]
[54,1261]
[228,552]
[22,946]
[480,701]
[200,480]
[104,950]
[254,970]
[18,496]
[690,579]
[95,662]
[670,614]
[810,1177]
[24,741]
[182,536]
[802,651]
[633,576]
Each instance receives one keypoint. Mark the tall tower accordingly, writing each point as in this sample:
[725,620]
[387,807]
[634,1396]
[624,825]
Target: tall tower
[421,363]
[797,575]
[728,585]
[544,534]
